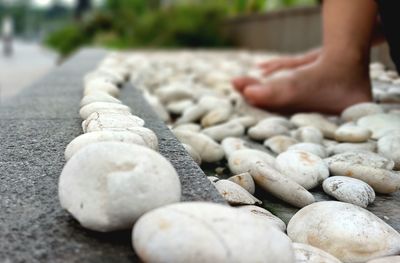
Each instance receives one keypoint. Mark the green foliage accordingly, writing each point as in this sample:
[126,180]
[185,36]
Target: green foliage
[67,39]
[147,24]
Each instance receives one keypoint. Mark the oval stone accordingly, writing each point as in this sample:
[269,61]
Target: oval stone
[206,232]
[348,232]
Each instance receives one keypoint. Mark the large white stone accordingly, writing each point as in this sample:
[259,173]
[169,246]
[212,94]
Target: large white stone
[269,127]
[349,132]
[308,134]
[316,120]
[348,232]
[305,168]
[234,194]
[111,107]
[108,185]
[310,147]
[224,130]
[349,190]
[279,143]
[111,122]
[232,144]
[357,111]
[98,97]
[101,136]
[380,124]
[209,150]
[206,232]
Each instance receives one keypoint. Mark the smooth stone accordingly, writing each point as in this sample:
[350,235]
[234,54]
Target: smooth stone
[242,161]
[234,194]
[316,120]
[211,102]
[232,144]
[279,143]
[216,116]
[380,124]
[364,158]
[264,214]
[98,97]
[224,130]
[381,180]
[244,180]
[280,185]
[89,109]
[111,122]
[305,168]
[268,128]
[195,156]
[173,92]
[147,135]
[349,190]
[310,147]
[246,121]
[352,147]
[308,134]
[209,150]
[348,232]
[389,146]
[178,107]
[193,127]
[86,139]
[107,186]
[98,84]
[357,111]
[349,132]
[192,114]
[305,253]
[207,232]
[393,259]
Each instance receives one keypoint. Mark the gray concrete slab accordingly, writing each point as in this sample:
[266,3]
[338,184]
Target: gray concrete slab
[35,127]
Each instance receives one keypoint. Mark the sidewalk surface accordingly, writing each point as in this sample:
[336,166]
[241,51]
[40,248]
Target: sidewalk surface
[28,63]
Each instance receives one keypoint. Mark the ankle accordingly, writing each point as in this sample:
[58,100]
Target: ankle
[355,59]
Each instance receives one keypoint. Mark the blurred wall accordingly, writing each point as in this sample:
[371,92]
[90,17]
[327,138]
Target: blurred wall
[288,30]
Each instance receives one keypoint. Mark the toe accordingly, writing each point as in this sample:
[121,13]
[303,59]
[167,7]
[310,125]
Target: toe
[242,82]
[265,96]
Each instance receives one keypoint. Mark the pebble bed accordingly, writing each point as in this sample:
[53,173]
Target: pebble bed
[115,179]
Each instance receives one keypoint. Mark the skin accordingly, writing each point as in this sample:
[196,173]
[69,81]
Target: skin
[326,80]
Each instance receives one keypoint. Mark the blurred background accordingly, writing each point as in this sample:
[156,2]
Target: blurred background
[38,34]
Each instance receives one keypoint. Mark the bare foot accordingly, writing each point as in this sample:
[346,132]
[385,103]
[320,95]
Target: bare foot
[289,62]
[326,85]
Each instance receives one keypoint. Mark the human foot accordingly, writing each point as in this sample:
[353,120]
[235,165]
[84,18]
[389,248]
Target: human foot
[326,85]
[289,62]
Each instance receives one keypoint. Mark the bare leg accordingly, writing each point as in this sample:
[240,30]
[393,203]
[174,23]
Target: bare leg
[339,76]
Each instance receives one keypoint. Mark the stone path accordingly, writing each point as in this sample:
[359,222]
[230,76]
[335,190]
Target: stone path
[35,127]
[28,63]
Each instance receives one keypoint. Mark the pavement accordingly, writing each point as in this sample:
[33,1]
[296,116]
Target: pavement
[29,62]
[35,127]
